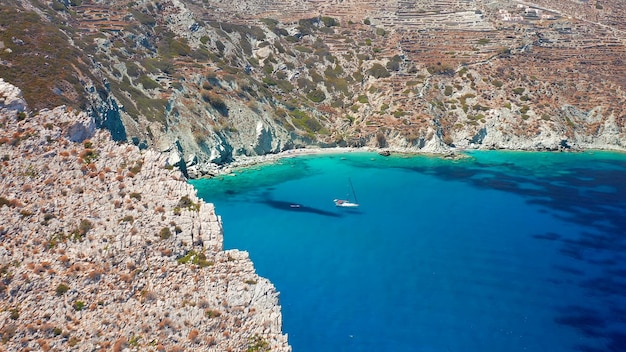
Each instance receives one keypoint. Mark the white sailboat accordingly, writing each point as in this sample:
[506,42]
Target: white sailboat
[346,203]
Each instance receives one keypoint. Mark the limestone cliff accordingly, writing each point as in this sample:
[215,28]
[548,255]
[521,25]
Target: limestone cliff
[103,246]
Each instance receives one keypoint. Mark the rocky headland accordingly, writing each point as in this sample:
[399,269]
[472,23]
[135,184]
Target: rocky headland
[104,246]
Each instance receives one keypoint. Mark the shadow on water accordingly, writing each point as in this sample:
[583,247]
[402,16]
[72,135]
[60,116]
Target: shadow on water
[593,198]
[296,207]
[587,321]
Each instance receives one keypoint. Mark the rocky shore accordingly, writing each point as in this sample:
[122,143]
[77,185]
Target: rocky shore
[103,246]
[550,143]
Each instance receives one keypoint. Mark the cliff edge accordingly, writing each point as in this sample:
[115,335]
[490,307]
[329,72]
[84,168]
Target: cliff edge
[106,246]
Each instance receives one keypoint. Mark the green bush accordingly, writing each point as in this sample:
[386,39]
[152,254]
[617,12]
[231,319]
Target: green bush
[132,69]
[394,63]
[378,71]
[440,69]
[145,19]
[304,122]
[258,344]
[329,21]
[62,289]
[195,258]
[165,233]
[14,313]
[186,202]
[148,83]
[316,96]
[78,305]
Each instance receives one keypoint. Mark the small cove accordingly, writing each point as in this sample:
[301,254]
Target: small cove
[501,251]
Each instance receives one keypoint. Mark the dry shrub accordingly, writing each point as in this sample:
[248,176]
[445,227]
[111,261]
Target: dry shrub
[105,345]
[210,341]
[76,267]
[193,335]
[166,322]
[120,344]
[45,346]
[95,274]
[126,278]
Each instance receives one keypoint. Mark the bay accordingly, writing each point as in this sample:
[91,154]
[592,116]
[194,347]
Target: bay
[499,251]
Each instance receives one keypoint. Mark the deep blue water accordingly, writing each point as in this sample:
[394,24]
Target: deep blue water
[501,251]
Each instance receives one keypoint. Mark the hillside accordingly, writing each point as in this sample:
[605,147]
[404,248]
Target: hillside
[210,81]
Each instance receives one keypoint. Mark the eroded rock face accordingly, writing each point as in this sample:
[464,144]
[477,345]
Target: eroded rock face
[104,246]
[11,97]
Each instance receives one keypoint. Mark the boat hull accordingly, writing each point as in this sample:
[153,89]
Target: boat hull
[345,203]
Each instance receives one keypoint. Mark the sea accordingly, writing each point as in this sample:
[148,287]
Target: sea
[496,251]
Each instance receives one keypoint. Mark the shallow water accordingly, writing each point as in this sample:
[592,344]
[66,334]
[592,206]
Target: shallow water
[501,251]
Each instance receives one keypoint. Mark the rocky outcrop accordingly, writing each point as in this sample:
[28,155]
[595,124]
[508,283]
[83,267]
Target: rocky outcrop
[11,98]
[104,246]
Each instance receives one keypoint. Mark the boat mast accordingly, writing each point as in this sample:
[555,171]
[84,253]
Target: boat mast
[353,192]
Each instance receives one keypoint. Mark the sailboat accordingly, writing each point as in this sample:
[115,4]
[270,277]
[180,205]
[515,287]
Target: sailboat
[346,203]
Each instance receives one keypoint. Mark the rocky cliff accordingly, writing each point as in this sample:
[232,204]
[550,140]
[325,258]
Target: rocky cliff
[104,246]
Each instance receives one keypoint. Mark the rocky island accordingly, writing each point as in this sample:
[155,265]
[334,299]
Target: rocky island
[104,245]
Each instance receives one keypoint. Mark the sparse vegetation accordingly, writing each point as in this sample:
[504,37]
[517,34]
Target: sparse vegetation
[193,257]
[165,233]
[78,305]
[258,344]
[378,71]
[186,202]
[62,289]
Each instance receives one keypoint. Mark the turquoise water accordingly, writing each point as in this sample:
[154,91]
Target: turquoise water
[501,251]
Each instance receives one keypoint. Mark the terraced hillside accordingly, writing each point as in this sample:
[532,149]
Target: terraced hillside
[209,81]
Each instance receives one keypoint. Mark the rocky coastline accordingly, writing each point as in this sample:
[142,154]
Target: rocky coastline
[103,246]
[208,169]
